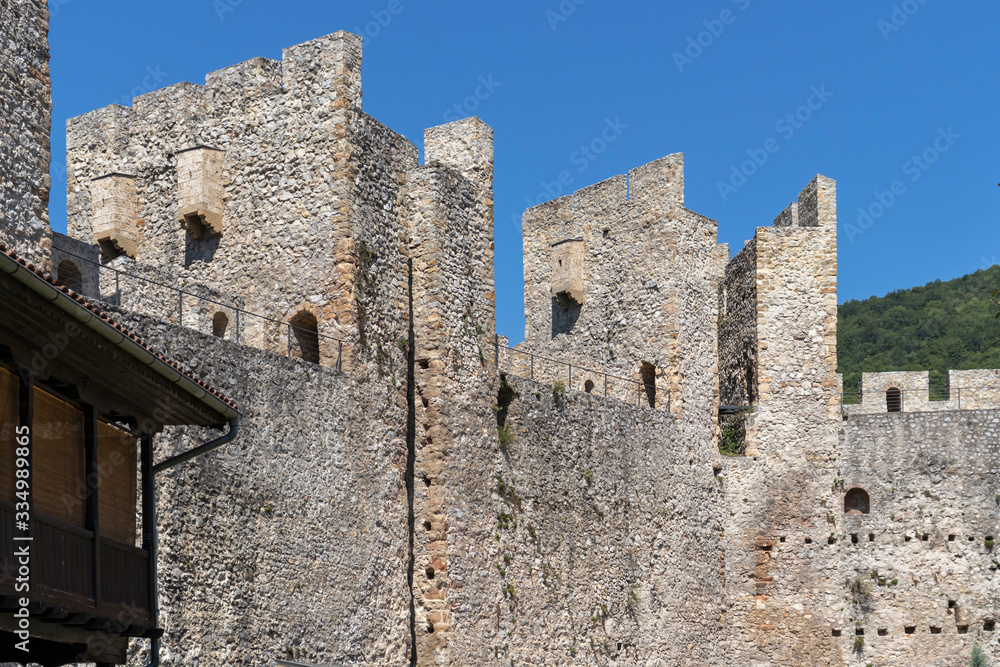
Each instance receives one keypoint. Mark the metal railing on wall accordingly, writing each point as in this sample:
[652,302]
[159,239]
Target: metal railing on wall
[532,366]
[308,344]
[933,399]
[302,342]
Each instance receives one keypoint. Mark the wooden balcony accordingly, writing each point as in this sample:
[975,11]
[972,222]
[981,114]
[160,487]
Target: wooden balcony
[76,582]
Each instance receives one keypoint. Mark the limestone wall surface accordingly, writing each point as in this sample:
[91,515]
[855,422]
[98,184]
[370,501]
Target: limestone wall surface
[26,117]
[291,541]
[604,548]
[926,570]
[641,263]
[310,190]
[781,615]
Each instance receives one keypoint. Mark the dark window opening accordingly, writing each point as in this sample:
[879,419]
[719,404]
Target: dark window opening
[809,540]
[926,537]
[836,633]
[751,384]
[894,400]
[857,501]
[70,276]
[588,386]
[430,571]
[935,630]
[910,629]
[304,333]
[963,629]
[871,537]
[951,538]
[989,625]
[854,538]
[831,540]
[882,632]
[109,250]
[860,632]
[219,325]
[649,382]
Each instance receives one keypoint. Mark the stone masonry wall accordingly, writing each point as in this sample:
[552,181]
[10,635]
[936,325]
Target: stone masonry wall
[641,255]
[779,614]
[449,205]
[738,329]
[927,581]
[605,547]
[26,117]
[311,191]
[291,541]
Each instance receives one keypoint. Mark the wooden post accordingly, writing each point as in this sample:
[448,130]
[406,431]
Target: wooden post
[91,484]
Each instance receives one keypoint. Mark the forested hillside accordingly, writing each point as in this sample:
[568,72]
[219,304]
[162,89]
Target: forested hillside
[939,327]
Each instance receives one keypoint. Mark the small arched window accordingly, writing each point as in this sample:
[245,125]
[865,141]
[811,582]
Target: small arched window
[219,325]
[893,400]
[304,333]
[588,386]
[70,276]
[648,371]
[857,501]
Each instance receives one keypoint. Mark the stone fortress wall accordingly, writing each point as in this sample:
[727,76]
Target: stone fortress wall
[420,507]
[26,112]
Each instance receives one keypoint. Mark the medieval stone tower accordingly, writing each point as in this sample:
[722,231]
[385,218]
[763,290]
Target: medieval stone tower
[405,490]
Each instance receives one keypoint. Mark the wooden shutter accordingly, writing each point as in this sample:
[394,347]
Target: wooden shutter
[116,452]
[58,461]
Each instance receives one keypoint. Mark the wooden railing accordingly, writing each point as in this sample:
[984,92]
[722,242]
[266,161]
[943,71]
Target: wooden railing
[63,572]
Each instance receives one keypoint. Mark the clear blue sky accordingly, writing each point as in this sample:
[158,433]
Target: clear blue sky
[897,83]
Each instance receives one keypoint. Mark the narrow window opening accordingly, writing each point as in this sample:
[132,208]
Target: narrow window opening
[989,625]
[857,501]
[781,539]
[305,337]
[70,276]
[860,632]
[219,325]
[935,630]
[951,538]
[831,540]
[894,400]
[588,386]
[430,571]
[926,537]
[649,382]
[606,233]
[836,632]
[809,540]
[910,629]
[963,629]
[751,381]
[854,538]
[882,632]
[871,537]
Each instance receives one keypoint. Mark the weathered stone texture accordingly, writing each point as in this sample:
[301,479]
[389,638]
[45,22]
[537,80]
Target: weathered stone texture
[605,545]
[306,185]
[290,542]
[642,267]
[25,126]
[922,554]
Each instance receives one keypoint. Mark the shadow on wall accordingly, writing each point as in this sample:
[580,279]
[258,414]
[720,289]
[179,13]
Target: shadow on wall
[565,313]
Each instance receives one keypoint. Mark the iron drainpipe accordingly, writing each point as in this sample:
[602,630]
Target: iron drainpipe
[149,509]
